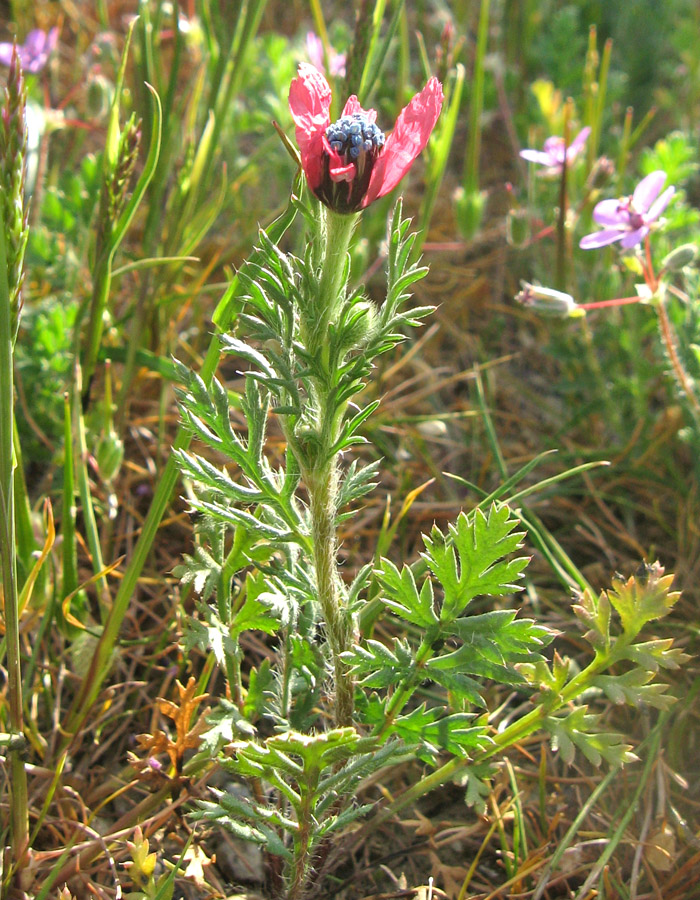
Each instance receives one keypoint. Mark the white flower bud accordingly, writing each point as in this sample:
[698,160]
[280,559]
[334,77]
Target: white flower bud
[548,301]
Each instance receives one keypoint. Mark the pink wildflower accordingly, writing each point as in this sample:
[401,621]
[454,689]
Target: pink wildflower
[34,52]
[314,50]
[554,153]
[629,219]
[349,164]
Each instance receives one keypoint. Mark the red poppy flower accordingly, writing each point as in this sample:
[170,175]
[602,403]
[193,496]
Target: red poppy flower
[349,164]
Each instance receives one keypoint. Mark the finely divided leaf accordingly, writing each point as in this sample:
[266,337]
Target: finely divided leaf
[633,688]
[642,599]
[502,638]
[580,729]
[378,666]
[402,596]
[469,561]
[432,731]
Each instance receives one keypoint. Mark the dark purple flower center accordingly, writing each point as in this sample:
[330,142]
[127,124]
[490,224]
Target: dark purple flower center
[357,142]
[635,219]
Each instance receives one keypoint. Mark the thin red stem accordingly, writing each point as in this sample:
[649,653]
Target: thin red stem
[620,301]
[649,274]
[676,364]
[667,334]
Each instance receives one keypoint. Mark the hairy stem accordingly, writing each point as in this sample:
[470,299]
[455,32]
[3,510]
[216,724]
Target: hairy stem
[301,850]
[323,490]
[321,474]
[683,380]
[681,376]
[338,231]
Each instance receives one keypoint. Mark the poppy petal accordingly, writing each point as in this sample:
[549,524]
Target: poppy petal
[338,169]
[353,106]
[410,135]
[310,102]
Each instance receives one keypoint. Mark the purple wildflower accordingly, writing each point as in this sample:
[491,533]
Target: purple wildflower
[629,219]
[34,52]
[555,152]
[314,50]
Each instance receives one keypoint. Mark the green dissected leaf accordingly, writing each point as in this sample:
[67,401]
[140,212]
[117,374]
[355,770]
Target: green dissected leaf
[594,612]
[501,638]
[344,780]
[403,598]
[477,778]
[255,403]
[469,660]
[202,571]
[391,321]
[548,680]
[261,760]
[378,666]
[273,529]
[653,655]
[267,612]
[350,434]
[340,822]
[317,774]
[265,608]
[245,831]
[210,633]
[458,683]
[301,756]
[580,729]
[242,805]
[633,687]
[359,584]
[642,599]
[250,354]
[226,725]
[196,635]
[294,704]
[433,732]
[352,330]
[469,561]
[261,500]
[207,475]
[206,412]
[260,680]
